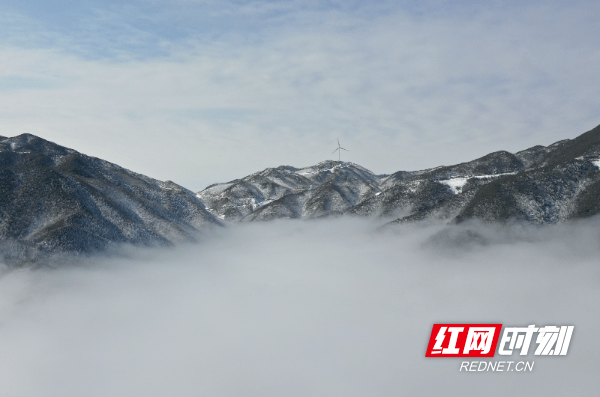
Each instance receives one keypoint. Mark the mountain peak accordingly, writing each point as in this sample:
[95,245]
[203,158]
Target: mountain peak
[327,187]
[54,199]
[32,143]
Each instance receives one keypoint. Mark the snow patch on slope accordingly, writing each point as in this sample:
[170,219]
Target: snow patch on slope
[456,184]
[313,171]
[257,204]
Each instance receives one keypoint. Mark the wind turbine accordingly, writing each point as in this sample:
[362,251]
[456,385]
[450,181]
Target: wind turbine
[339,150]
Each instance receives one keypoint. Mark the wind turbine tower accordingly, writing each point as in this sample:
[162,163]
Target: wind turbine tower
[339,150]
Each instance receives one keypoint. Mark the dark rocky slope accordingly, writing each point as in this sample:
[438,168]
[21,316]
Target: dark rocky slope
[54,199]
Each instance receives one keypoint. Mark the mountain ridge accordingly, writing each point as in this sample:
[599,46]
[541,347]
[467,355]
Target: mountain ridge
[541,184]
[56,200]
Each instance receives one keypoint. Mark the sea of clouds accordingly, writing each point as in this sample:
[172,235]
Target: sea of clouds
[317,308]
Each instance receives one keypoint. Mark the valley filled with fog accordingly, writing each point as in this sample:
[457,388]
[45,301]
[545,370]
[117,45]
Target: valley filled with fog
[336,307]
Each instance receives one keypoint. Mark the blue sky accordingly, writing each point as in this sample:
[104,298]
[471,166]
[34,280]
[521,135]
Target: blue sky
[206,91]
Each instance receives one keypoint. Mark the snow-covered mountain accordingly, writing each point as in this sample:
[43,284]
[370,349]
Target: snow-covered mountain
[54,199]
[330,187]
[540,185]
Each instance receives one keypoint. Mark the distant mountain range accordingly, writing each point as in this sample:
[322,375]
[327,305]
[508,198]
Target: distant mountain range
[539,185]
[54,199]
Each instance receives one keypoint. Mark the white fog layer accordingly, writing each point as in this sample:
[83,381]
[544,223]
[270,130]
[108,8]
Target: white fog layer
[316,308]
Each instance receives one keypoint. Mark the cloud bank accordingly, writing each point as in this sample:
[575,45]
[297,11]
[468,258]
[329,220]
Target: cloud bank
[301,308]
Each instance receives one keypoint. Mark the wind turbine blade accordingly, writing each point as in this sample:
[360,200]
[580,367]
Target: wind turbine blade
[345,149]
[335,150]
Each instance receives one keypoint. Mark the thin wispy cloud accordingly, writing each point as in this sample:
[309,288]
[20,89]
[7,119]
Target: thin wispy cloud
[211,91]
